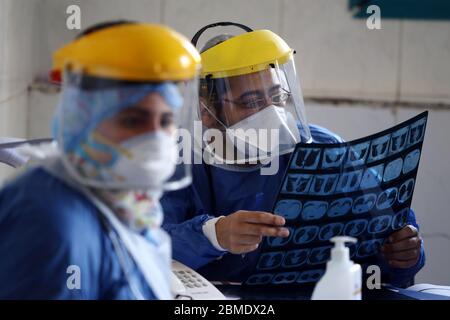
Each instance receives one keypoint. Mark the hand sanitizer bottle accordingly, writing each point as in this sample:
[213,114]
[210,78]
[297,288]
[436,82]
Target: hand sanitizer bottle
[342,278]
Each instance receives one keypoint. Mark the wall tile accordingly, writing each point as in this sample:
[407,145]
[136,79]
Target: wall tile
[55,34]
[189,16]
[350,121]
[431,194]
[425,68]
[337,56]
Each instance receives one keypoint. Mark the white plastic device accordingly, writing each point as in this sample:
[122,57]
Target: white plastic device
[187,283]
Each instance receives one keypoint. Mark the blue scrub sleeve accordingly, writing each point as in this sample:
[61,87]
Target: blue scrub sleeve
[37,250]
[189,244]
[183,220]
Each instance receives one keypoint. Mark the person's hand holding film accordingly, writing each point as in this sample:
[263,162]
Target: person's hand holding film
[402,249]
[242,231]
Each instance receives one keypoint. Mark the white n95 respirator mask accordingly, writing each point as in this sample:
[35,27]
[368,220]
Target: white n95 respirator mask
[263,134]
[142,162]
[150,158]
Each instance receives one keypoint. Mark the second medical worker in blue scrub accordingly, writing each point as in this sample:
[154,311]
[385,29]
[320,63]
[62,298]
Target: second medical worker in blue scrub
[85,222]
[249,81]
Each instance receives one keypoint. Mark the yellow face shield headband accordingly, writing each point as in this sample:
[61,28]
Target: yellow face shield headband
[246,53]
[134,52]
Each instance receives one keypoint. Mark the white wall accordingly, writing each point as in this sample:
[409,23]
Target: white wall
[18,34]
[337,58]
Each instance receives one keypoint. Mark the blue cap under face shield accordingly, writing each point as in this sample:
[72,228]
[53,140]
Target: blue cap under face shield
[82,109]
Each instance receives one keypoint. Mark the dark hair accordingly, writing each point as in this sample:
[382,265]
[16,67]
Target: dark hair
[103,25]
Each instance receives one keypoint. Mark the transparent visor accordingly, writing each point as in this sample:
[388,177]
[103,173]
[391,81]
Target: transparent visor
[249,119]
[126,135]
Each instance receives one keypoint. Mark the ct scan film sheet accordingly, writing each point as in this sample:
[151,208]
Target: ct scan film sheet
[361,188]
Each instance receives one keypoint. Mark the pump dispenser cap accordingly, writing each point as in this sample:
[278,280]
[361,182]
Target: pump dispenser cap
[340,251]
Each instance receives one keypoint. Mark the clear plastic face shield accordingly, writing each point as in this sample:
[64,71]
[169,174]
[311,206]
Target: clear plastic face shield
[248,118]
[261,114]
[125,135]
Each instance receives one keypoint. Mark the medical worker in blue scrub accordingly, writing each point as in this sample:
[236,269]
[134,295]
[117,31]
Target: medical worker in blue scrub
[249,81]
[85,222]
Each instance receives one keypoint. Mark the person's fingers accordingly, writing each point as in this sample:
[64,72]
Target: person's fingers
[402,264]
[242,231]
[408,231]
[405,244]
[262,230]
[247,240]
[260,217]
[403,255]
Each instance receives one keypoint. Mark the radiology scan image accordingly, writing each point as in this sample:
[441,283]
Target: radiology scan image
[361,189]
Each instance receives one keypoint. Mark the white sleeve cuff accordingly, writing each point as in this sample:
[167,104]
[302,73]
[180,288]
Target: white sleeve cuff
[209,230]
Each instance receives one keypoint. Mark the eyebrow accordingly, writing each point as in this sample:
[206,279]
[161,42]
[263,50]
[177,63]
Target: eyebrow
[133,110]
[276,87]
[167,114]
[258,92]
[143,112]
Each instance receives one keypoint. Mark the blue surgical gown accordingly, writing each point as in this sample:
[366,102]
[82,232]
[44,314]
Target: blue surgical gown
[216,192]
[45,228]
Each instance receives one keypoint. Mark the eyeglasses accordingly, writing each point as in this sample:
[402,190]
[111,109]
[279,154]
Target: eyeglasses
[277,99]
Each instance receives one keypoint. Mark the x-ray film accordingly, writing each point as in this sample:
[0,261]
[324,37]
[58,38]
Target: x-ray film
[361,189]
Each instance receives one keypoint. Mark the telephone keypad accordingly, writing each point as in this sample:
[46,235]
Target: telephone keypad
[190,279]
